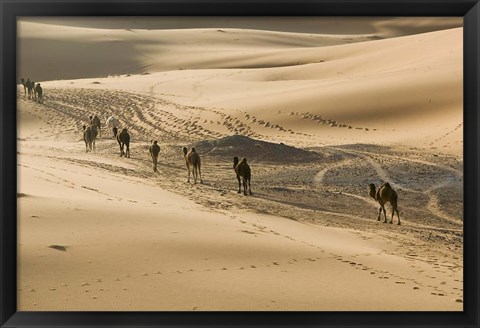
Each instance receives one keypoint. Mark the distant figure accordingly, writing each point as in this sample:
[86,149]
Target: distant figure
[114,124]
[29,86]
[24,86]
[87,137]
[385,194]
[123,139]
[242,169]
[94,120]
[193,159]
[154,150]
[39,93]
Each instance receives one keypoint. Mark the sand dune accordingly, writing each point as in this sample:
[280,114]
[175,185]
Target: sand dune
[318,115]
[123,51]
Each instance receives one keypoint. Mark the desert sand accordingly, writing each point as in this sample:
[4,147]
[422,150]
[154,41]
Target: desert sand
[319,114]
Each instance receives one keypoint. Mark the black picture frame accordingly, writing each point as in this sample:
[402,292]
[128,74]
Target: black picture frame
[10,10]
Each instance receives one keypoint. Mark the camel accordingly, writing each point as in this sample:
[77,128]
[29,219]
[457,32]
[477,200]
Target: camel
[94,120]
[114,124]
[385,194]
[87,137]
[93,134]
[193,159]
[242,169]
[154,150]
[123,139]
[29,86]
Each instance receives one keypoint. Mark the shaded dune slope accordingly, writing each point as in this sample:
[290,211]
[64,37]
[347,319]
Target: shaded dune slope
[255,150]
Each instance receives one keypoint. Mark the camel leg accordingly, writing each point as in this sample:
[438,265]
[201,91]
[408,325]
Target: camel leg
[128,151]
[244,186]
[249,186]
[188,169]
[200,173]
[239,185]
[155,160]
[398,216]
[384,213]
[379,213]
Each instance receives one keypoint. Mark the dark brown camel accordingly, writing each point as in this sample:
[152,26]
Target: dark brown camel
[29,85]
[94,120]
[385,194]
[193,159]
[242,169]
[123,139]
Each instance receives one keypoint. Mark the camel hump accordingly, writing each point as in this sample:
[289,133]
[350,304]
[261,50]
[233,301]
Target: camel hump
[387,185]
[244,160]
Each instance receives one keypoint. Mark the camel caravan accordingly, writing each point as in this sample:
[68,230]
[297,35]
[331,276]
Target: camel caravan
[385,193]
[92,130]
[32,90]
